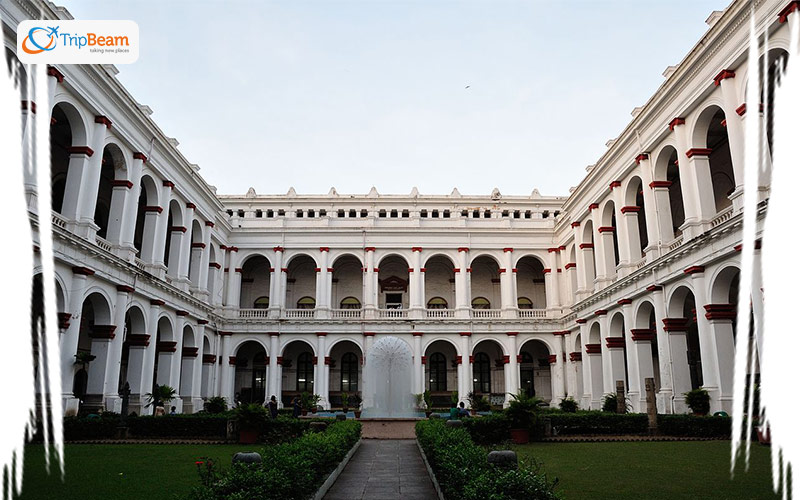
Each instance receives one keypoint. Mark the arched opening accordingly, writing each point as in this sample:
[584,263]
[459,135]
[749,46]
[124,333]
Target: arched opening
[250,379]
[255,285]
[347,283]
[594,360]
[174,236]
[668,182]
[634,203]
[485,283]
[683,317]
[721,315]
[345,363]
[299,363]
[618,351]
[488,371]
[609,228]
[209,360]
[441,371]
[211,284]
[94,339]
[195,253]
[587,254]
[145,228]
[576,362]
[711,133]
[440,282]
[66,131]
[165,351]
[393,282]
[530,283]
[776,67]
[534,370]
[133,351]
[301,282]
[189,354]
[112,167]
[646,342]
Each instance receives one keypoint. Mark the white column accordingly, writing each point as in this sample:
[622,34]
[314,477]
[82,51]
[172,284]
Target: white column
[507,297]
[635,387]
[227,370]
[121,194]
[557,371]
[277,289]
[720,319]
[186,243]
[68,343]
[735,129]
[594,367]
[102,336]
[569,368]
[177,357]
[708,348]
[512,367]
[207,384]
[463,302]
[465,367]
[552,290]
[232,296]
[197,379]
[206,257]
[132,202]
[320,384]
[162,232]
[676,329]
[696,186]
[414,289]
[151,351]
[641,338]
[111,384]
[90,182]
[323,285]
[417,363]
[666,392]
[369,286]
[627,235]
[275,367]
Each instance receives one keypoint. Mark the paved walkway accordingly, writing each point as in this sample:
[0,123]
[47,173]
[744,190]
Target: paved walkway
[384,469]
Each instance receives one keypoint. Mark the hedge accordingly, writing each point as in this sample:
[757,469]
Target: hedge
[292,470]
[488,430]
[83,428]
[178,426]
[463,473]
[598,422]
[692,426]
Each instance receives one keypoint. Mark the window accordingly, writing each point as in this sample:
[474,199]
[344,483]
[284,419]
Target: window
[527,357]
[311,213]
[230,213]
[527,214]
[305,373]
[240,213]
[487,214]
[261,303]
[340,213]
[349,372]
[482,374]
[423,213]
[350,303]
[281,212]
[437,303]
[270,213]
[524,303]
[545,214]
[435,214]
[306,303]
[516,214]
[505,213]
[381,213]
[476,214]
[481,303]
[446,214]
[393,213]
[259,213]
[465,213]
[363,213]
[299,214]
[323,212]
[438,368]
[405,214]
[352,214]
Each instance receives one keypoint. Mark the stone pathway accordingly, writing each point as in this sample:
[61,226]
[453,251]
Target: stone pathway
[384,469]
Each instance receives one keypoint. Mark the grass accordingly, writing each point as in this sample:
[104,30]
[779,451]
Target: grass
[652,470]
[164,471]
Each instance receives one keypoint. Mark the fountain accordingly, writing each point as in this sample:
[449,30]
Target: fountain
[387,381]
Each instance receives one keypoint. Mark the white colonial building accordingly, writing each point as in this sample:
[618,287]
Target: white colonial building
[632,275]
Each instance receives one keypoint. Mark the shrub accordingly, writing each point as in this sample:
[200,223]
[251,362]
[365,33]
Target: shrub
[610,403]
[694,426]
[462,470]
[522,409]
[598,422]
[699,401]
[568,405]
[292,470]
[179,426]
[488,430]
[251,416]
[216,404]
[100,427]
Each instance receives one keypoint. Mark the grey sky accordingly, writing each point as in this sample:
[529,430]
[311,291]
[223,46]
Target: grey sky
[351,94]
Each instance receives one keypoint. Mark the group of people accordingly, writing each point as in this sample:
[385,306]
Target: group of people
[272,406]
[458,411]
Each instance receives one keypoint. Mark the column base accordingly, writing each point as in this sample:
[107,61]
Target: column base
[157,270]
[664,401]
[113,403]
[70,405]
[509,313]
[86,229]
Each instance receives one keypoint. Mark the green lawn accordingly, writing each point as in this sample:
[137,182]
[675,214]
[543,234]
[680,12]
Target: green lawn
[129,471]
[652,470]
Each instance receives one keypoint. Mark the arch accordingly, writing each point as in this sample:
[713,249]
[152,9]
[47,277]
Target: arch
[188,336]
[491,341]
[174,236]
[67,130]
[165,327]
[393,280]
[531,282]
[148,197]
[112,167]
[710,132]
[440,288]
[534,370]
[131,367]
[301,280]
[485,281]
[484,255]
[594,333]
[381,261]
[644,315]
[346,359]
[250,375]
[481,303]
[195,252]
[683,305]
[306,302]
[306,343]
[298,359]
[439,256]
[609,219]
[668,175]
[255,281]
[347,282]
[337,256]
[724,285]
[489,369]
[634,197]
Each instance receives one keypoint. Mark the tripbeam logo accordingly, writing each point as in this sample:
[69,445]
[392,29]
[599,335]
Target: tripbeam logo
[78,42]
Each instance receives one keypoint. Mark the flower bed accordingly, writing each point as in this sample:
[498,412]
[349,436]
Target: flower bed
[293,470]
[463,472]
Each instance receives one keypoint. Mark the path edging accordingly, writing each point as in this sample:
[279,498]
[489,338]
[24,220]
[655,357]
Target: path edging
[430,471]
[335,474]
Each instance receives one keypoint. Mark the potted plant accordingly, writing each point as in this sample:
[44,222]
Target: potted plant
[483,404]
[161,394]
[251,419]
[610,403]
[419,402]
[699,401]
[345,401]
[356,401]
[521,412]
[426,396]
[314,400]
[305,403]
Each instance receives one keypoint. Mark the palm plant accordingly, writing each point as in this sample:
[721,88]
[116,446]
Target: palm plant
[161,394]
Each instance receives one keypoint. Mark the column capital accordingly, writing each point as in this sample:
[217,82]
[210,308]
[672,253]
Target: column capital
[80,150]
[369,249]
[660,184]
[675,122]
[322,334]
[723,75]
[463,249]
[512,334]
[641,156]
[191,205]
[416,249]
[324,249]
[782,15]
[575,356]
[157,302]
[552,359]
[181,313]
[694,270]
[593,206]
[82,270]
[52,71]
[615,184]
[606,229]
[577,223]
[277,249]
[508,249]
[465,334]
[593,349]
[166,346]
[615,342]
[676,324]
[584,246]
[720,311]
[630,209]
[123,183]
[125,288]
[202,321]
[140,156]
[601,312]
[654,288]
[625,302]
[102,120]
[698,152]
[209,223]
[168,184]
[643,334]
[417,334]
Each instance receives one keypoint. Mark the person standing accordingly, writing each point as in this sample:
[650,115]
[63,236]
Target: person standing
[296,409]
[273,407]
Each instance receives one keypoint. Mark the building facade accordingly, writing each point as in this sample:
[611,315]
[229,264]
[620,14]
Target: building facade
[633,275]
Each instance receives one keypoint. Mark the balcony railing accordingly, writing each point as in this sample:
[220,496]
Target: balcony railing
[58,220]
[440,313]
[532,313]
[298,313]
[392,313]
[676,243]
[139,263]
[105,245]
[722,216]
[253,313]
[345,313]
[486,313]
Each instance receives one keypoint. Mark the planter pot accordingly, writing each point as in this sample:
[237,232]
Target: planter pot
[314,410]
[428,413]
[345,409]
[248,436]
[357,413]
[763,436]
[304,412]
[520,436]
[473,412]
